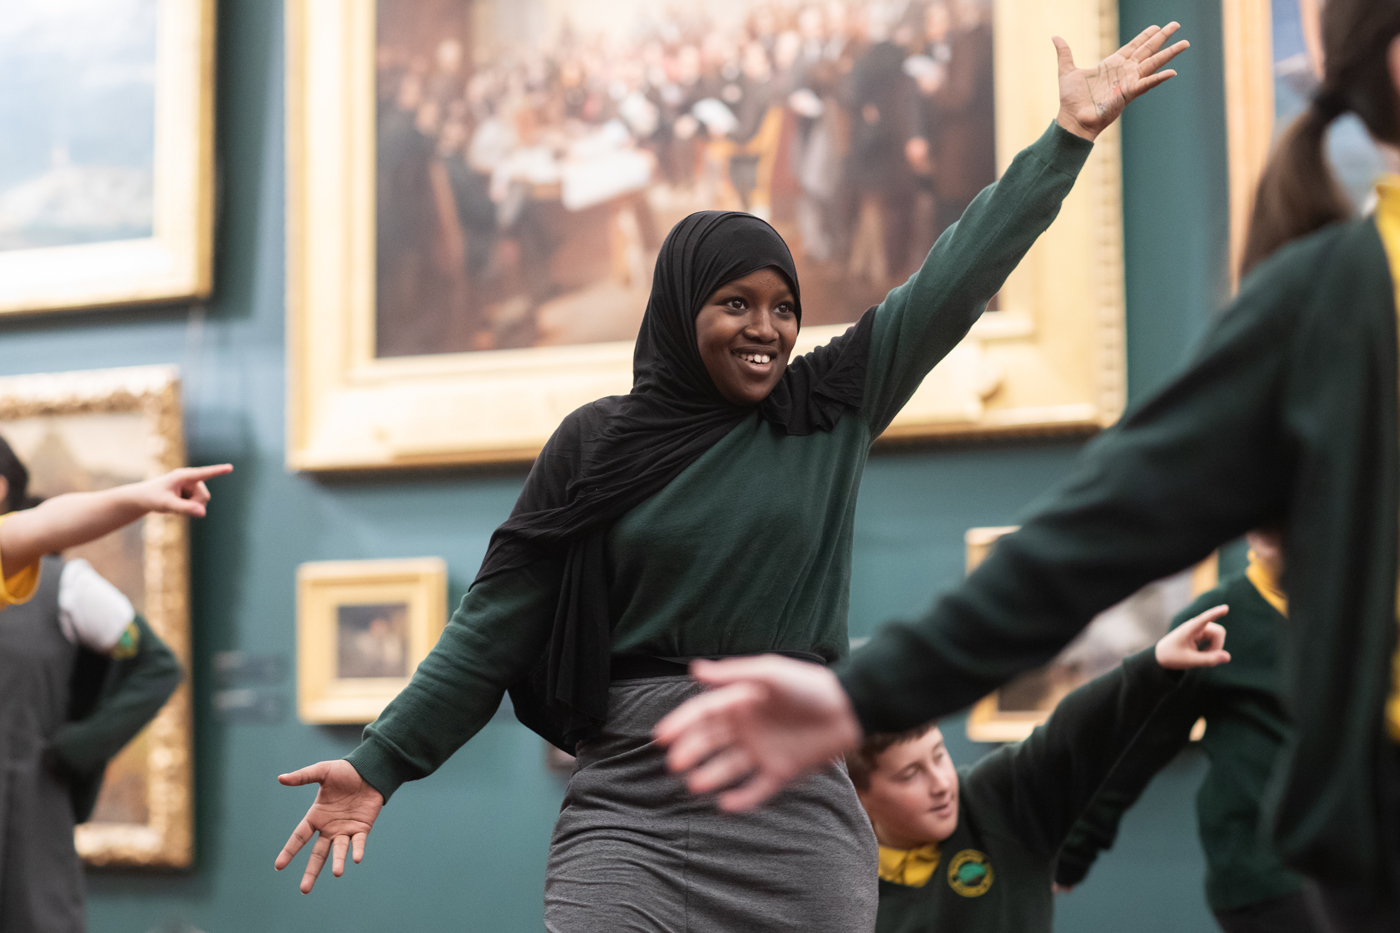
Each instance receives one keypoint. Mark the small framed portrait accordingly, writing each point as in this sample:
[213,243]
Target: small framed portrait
[362,628]
[1010,713]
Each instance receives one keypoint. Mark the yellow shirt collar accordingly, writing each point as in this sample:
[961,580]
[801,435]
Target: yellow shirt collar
[19,585]
[1266,583]
[1388,225]
[910,867]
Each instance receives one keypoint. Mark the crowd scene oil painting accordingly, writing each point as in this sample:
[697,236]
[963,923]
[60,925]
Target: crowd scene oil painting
[528,168]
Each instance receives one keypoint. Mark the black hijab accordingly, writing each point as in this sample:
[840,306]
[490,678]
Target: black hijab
[612,454]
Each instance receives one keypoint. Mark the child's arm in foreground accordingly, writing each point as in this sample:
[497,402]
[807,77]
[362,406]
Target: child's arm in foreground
[76,518]
[1051,778]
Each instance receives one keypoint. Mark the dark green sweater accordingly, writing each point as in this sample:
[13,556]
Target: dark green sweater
[1246,728]
[1289,411]
[749,549]
[1016,805]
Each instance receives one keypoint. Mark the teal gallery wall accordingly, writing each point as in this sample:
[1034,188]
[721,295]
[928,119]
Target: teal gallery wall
[466,849]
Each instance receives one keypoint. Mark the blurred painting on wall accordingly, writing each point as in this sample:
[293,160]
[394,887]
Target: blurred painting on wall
[106,161]
[82,432]
[78,96]
[1010,713]
[531,156]
[362,628]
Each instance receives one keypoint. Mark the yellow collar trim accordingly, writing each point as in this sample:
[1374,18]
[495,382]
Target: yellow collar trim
[1266,584]
[910,867]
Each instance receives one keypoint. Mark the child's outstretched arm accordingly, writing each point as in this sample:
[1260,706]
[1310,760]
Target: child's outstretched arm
[76,518]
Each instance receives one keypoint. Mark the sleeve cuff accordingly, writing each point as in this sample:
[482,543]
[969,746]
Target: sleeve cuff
[380,766]
[1144,664]
[1061,150]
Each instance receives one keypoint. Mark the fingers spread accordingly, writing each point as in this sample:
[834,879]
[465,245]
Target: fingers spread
[716,704]
[758,789]
[699,742]
[723,770]
[313,864]
[1063,55]
[1130,50]
[299,838]
[338,847]
[1166,55]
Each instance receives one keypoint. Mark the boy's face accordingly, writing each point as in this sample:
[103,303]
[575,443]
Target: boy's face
[913,795]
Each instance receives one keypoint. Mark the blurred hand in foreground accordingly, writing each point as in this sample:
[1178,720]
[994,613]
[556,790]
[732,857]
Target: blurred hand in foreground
[768,721]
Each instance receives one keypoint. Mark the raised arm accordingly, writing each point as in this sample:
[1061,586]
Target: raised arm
[920,321]
[1047,782]
[79,517]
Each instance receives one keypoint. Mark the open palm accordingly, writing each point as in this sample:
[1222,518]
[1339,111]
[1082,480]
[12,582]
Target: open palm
[343,813]
[1092,98]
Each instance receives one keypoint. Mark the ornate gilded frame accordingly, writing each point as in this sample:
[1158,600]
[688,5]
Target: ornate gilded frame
[1247,29]
[421,583]
[987,721]
[177,261]
[167,839]
[1052,359]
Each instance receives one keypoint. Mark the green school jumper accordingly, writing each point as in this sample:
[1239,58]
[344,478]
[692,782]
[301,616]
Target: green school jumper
[1288,412]
[749,549]
[1246,727]
[1016,806]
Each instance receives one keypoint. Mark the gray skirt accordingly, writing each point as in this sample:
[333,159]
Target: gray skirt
[633,851]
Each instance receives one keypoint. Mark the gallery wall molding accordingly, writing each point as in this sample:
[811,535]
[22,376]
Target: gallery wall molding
[1050,359]
[166,838]
[176,261]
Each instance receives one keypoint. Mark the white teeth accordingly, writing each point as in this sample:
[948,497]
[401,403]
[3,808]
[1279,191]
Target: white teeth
[755,357]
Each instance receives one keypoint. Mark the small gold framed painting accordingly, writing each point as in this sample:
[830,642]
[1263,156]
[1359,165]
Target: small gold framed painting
[362,628]
[1011,712]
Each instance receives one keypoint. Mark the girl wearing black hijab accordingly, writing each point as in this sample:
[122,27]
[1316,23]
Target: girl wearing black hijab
[707,513]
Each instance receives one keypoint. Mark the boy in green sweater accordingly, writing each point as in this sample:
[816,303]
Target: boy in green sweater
[1247,886]
[973,849]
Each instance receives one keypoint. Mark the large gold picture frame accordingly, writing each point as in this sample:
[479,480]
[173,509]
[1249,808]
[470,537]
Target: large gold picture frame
[175,262]
[88,430]
[1051,358]
[1010,713]
[362,628]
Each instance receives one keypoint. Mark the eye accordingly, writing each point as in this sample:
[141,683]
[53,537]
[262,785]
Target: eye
[785,308]
[737,304]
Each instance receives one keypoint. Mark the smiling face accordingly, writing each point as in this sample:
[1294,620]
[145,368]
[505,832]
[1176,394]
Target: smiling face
[912,797]
[745,333]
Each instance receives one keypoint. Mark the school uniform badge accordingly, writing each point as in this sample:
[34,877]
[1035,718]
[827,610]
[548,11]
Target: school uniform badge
[970,873]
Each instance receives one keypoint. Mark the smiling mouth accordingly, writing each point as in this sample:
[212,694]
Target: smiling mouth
[755,357]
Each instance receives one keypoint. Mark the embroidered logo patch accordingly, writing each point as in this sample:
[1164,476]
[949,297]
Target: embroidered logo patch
[970,873]
[126,645]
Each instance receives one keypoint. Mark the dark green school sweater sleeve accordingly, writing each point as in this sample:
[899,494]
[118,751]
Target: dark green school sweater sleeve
[1151,751]
[135,690]
[920,321]
[1044,784]
[1199,464]
[492,639]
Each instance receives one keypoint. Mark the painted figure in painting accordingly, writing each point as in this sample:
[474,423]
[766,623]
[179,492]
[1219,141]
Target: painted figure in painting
[1289,413]
[527,176]
[80,674]
[707,513]
[1248,887]
[972,849]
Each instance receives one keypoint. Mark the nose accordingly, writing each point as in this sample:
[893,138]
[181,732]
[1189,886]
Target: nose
[760,326]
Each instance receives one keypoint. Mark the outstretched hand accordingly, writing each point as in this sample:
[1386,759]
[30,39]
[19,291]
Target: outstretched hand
[1092,98]
[768,721]
[343,814]
[179,492]
[1199,642]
